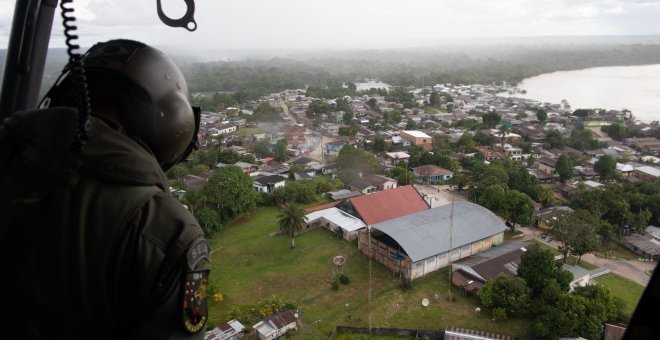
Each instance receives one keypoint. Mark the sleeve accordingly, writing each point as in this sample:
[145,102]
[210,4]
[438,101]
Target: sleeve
[171,254]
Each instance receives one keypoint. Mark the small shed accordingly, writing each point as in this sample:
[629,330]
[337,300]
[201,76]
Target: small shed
[275,326]
[337,221]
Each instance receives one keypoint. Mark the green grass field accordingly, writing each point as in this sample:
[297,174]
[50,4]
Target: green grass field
[250,263]
[627,290]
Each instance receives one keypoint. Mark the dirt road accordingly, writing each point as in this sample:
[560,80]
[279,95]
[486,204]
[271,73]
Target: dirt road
[630,269]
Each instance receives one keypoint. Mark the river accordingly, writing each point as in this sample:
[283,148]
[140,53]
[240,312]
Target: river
[636,88]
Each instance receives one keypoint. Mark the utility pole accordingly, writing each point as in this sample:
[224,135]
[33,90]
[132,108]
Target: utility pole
[451,231]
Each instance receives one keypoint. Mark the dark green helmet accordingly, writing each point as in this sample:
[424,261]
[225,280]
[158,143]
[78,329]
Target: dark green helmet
[148,91]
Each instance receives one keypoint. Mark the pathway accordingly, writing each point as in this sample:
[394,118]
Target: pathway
[631,269]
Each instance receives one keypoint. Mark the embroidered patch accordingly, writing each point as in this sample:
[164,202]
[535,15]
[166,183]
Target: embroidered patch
[194,311]
[197,252]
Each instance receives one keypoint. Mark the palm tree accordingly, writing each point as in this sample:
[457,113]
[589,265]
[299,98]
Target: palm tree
[291,221]
[504,130]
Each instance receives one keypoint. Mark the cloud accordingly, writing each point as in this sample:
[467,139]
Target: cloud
[267,24]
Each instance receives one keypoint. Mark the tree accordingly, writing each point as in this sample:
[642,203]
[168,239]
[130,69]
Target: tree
[503,132]
[199,169]
[379,144]
[411,124]
[606,167]
[519,208]
[493,197]
[434,99]
[520,179]
[230,190]
[248,158]
[262,149]
[209,220]
[509,293]
[291,221]
[554,139]
[537,266]
[177,171]
[542,115]
[228,156]
[491,119]
[348,117]
[546,197]
[281,151]
[564,167]
[372,102]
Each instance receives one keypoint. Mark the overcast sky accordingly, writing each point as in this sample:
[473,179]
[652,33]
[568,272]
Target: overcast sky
[354,24]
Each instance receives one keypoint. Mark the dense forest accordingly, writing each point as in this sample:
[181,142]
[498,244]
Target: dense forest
[411,68]
[415,67]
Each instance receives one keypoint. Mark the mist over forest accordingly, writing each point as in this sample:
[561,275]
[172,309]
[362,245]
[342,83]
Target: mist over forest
[464,61]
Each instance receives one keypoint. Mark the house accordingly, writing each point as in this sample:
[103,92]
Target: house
[332,148]
[193,181]
[547,165]
[385,205]
[647,173]
[306,163]
[275,326]
[380,182]
[237,149]
[423,242]
[224,129]
[431,174]
[230,330]
[361,186]
[343,194]
[418,138]
[268,184]
[396,157]
[546,216]
[647,245]
[337,221]
[471,273]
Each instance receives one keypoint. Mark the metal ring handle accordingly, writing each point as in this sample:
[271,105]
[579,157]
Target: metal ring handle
[187,21]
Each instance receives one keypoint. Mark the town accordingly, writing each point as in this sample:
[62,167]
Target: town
[507,198]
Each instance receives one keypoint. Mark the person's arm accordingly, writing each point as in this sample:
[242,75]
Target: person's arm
[171,252]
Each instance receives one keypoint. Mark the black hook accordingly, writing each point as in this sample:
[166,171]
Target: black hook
[187,21]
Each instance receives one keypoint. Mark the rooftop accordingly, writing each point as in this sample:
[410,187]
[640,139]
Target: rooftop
[389,204]
[338,217]
[425,233]
[417,134]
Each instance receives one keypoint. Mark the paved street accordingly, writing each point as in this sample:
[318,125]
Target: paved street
[630,269]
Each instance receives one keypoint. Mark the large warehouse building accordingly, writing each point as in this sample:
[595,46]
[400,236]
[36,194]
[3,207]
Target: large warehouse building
[420,243]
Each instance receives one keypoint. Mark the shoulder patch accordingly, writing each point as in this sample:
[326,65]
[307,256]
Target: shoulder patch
[198,251]
[194,308]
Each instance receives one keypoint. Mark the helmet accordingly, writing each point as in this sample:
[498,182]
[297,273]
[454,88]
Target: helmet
[148,91]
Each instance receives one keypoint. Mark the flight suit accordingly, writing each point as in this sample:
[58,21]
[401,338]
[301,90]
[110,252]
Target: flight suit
[92,244]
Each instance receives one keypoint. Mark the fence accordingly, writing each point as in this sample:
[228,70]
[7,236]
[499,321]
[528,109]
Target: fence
[417,333]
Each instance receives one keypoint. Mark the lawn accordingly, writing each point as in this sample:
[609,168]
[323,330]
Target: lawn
[572,260]
[627,290]
[251,263]
[243,132]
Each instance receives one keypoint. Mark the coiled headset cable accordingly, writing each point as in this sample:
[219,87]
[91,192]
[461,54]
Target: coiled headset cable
[77,73]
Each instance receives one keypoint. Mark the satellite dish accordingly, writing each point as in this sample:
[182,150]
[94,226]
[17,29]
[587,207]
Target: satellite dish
[425,302]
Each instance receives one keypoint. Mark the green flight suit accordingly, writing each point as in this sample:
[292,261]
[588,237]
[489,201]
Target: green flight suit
[92,244]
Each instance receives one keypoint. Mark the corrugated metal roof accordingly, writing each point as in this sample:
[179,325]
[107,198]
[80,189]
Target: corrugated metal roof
[389,204]
[426,233]
[338,217]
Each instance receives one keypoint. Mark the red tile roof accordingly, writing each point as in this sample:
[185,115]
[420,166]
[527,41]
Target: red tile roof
[386,205]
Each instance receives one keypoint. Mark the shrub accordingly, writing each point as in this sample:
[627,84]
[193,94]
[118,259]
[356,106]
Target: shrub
[499,314]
